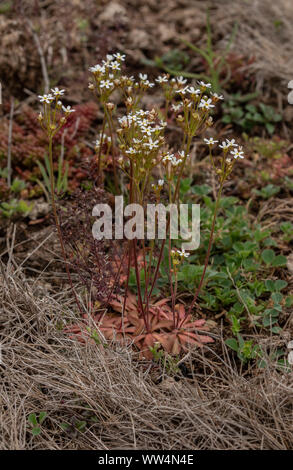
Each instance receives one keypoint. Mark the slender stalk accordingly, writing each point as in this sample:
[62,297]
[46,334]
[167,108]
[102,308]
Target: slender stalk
[52,187]
[168,221]
[10,142]
[208,250]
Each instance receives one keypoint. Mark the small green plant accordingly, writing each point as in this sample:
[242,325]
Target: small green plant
[165,361]
[36,422]
[245,350]
[77,426]
[15,207]
[246,115]
[17,185]
[271,259]
[268,191]
[287,229]
[269,148]
[60,184]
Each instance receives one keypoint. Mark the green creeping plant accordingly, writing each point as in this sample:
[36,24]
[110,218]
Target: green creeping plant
[247,115]
[36,422]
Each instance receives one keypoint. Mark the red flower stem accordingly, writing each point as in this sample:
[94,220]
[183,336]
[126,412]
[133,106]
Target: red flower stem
[127,282]
[168,222]
[208,251]
[52,187]
[140,303]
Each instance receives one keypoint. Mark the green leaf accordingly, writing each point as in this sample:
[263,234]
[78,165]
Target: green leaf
[201,190]
[80,425]
[42,416]
[232,343]
[64,426]
[270,127]
[280,284]
[32,419]
[277,297]
[268,256]
[279,260]
[268,321]
[36,431]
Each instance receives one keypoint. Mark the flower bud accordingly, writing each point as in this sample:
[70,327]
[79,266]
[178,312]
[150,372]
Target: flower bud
[209,121]
[110,106]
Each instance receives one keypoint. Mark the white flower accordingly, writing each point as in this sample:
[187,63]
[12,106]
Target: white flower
[168,157]
[68,109]
[147,130]
[57,92]
[182,154]
[218,97]
[210,141]
[175,161]
[176,107]
[97,68]
[206,103]
[143,76]
[161,183]
[46,98]
[183,253]
[237,153]
[194,91]
[204,85]
[119,56]
[106,138]
[109,57]
[131,151]
[231,143]
[224,146]
[106,84]
[147,83]
[115,65]
[181,80]
[151,144]
[182,91]
[162,79]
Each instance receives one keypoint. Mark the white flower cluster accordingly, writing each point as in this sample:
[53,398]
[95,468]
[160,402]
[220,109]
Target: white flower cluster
[55,95]
[146,128]
[235,150]
[159,185]
[106,72]
[181,253]
[170,157]
[106,138]
[144,81]
[181,87]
